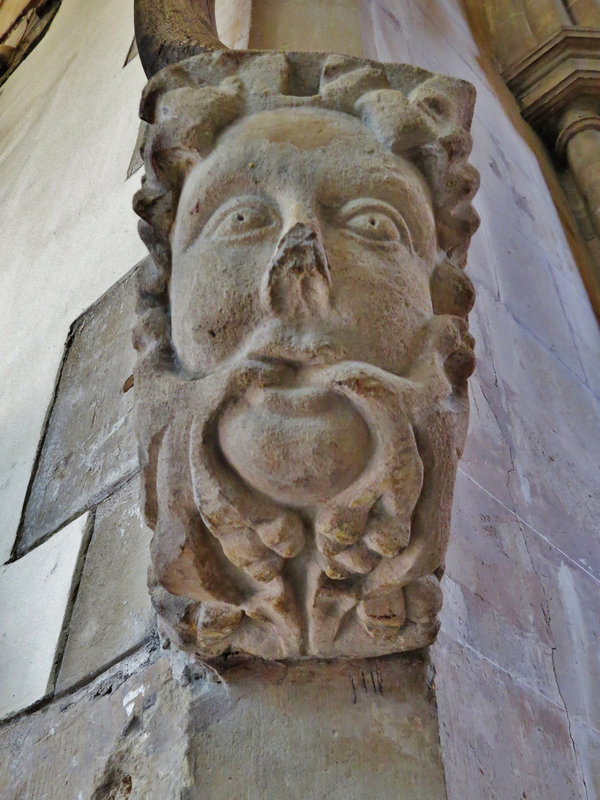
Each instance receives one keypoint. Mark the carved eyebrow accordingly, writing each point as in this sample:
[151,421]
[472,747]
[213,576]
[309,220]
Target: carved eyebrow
[367,203]
[394,180]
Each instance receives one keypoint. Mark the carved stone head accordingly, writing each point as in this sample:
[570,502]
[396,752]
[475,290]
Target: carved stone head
[303,349]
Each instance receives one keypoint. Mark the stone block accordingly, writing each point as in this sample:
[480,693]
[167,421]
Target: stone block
[572,599]
[494,601]
[112,613]
[354,729]
[555,428]
[500,739]
[587,741]
[123,737]
[34,595]
[527,287]
[336,730]
[584,324]
[89,446]
[488,454]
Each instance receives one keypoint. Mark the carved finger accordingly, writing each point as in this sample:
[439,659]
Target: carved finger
[383,612]
[285,534]
[215,624]
[244,549]
[355,560]
[423,599]
[344,525]
[386,535]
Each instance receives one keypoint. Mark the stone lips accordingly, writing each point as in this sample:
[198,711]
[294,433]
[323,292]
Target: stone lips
[338,552]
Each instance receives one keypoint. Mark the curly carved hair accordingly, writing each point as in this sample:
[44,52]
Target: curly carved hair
[416,114]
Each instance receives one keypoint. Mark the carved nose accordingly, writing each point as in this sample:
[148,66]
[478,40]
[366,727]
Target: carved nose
[298,282]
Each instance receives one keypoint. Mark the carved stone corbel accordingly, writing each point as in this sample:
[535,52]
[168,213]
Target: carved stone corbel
[303,349]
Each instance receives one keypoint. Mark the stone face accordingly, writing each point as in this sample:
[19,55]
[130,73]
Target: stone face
[354,729]
[112,614]
[303,349]
[34,596]
[89,446]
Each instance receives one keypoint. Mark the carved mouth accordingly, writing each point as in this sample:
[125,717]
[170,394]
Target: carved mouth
[298,446]
[293,347]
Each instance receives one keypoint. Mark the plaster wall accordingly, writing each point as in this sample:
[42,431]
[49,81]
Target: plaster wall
[69,125]
[517,663]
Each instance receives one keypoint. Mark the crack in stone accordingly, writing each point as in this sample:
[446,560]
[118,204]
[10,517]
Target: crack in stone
[548,620]
[573,744]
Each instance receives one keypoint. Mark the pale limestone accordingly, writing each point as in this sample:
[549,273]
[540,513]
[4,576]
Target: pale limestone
[233,22]
[34,595]
[68,128]
[283,25]
[89,446]
[357,729]
[112,614]
[302,407]
[522,753]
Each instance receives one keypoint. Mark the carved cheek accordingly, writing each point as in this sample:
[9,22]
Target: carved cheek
[215,301]
[382,296]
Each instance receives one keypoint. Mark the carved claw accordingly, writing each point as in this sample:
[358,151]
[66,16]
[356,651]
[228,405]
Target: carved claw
[256,534]
[244,549]
[376,510]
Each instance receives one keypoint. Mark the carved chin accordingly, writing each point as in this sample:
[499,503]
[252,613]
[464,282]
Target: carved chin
[298,446]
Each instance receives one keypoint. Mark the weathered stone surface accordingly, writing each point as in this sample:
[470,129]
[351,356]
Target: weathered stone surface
[490,551]
[301,386]
[34,594]
[555,426]
[89,446]
[523,752]
[122,737]
[282,25]
[357,729]
[112,613]
[572,607]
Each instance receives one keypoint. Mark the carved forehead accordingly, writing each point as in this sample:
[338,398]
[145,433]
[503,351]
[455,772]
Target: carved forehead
[302,128]
[311,151]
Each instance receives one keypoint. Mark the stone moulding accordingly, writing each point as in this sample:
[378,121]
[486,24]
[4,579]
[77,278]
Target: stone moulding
[560,71]
[303,349]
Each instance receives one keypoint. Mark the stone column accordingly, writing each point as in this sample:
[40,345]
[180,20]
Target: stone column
[579,142]
[552,67]
[585,12]
[546,17]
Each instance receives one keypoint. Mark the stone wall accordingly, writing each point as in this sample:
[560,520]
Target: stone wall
[519,652]
[517,663]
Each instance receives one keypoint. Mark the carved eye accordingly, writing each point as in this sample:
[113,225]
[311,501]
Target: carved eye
[241,218]
[375,220]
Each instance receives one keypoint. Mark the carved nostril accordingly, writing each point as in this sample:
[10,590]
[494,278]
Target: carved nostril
[298,278]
